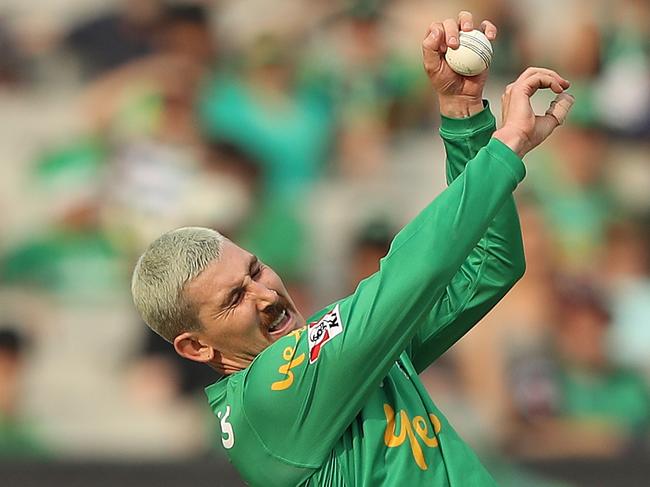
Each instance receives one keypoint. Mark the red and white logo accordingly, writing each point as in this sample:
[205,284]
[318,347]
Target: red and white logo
[322,331]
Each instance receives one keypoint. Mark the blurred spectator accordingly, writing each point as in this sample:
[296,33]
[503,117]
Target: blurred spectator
[72,258]
[272,227]
[158,375]
[116,37]
[514,335]
[626,275]
[284,125]
[370,246]
[17,438]
[579,403]
[566,179]
[187,127]
[155,95]
[186,30]
[12,64]
[512,46]
[376,90]
[606,56]
[622,89]
[145,110]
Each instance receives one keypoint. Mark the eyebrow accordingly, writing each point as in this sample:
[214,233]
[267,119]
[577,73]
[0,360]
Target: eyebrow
[237,289]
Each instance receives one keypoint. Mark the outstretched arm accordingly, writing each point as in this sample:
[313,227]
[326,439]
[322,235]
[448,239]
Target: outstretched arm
[497,261]
[492,267]
[312,383]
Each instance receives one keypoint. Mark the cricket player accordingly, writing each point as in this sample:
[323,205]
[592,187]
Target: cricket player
[335,400]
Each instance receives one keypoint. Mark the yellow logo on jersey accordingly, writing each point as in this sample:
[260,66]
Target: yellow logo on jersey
[288,354]
[421,428]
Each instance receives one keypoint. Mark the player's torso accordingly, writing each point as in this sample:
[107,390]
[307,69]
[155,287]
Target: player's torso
[395,439]
[398,438]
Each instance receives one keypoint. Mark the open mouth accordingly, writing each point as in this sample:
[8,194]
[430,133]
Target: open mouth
[281,324]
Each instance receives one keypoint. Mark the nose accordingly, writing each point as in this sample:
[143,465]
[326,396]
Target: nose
[264,296]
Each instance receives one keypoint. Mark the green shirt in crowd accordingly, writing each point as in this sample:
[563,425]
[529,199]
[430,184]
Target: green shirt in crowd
[339,402]
[617,396]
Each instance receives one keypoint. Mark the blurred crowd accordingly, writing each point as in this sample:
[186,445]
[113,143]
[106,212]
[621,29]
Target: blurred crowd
[307,132]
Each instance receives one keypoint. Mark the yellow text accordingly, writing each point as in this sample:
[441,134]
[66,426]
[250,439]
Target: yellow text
[409,429]
[288,355]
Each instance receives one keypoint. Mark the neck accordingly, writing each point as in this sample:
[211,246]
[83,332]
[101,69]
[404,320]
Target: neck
[228,366]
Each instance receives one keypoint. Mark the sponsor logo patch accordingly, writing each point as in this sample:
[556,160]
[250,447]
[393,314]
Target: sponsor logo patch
[322,331]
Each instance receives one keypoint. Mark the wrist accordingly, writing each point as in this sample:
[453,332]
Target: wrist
[459,106]
[514,139]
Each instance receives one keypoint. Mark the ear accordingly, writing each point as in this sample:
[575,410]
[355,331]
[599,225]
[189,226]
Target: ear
[189,346]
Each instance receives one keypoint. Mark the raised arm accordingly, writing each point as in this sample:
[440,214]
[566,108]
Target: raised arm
[491,268]
[311,384]
[497,261]
[316,394]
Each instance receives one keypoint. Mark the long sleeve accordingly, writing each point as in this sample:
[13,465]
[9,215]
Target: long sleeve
[492,267]
[312,383]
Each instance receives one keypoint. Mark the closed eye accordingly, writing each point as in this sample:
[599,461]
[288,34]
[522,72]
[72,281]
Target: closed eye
[236,297]
[257,270]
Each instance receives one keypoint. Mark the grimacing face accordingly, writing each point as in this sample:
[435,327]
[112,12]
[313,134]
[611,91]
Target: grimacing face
[243,307]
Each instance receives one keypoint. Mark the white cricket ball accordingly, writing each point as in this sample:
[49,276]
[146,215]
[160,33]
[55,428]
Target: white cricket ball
[473,56]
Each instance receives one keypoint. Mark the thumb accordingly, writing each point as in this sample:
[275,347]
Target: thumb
[431,50]
[556,114]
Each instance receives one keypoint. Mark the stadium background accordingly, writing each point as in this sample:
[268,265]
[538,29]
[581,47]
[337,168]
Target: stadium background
[306,131]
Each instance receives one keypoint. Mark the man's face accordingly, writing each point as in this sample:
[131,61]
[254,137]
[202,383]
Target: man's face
[242,305]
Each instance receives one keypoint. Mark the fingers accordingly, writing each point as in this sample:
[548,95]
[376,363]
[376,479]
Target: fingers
[432,46]
[533,79]
[539,81]
[560,107]
[435,38]
[529,72]
[465,21]
[489,29]
[440,36]
[554,116]
[450,29]
[451,33]
[518,114]
[540,78]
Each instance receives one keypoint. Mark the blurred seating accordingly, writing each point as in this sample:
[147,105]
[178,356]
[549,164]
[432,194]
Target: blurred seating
[292,134]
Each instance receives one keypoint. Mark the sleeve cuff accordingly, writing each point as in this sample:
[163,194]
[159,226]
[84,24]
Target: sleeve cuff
[462,126]
[504,154]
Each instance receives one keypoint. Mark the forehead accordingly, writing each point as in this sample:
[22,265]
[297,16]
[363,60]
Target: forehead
[221,275]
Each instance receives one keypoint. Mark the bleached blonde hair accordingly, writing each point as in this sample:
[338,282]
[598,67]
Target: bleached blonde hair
[161,273]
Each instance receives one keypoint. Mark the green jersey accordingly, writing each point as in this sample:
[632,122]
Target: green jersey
[339,402]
